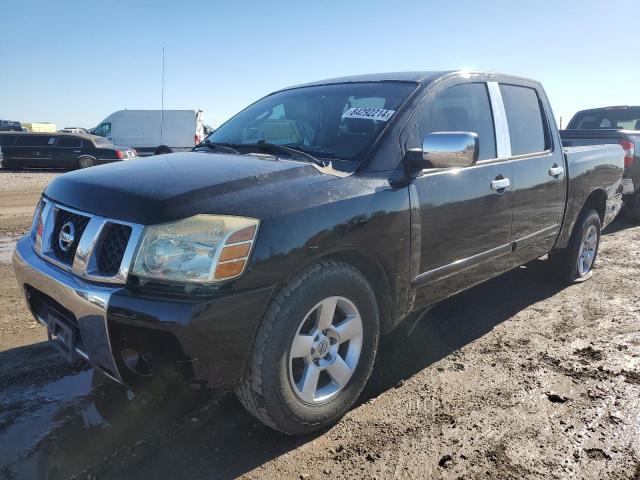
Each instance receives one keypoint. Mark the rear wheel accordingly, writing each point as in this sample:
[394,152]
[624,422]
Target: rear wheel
[162,149]
[86,162]
[632,208]
[575,263]
[314,350]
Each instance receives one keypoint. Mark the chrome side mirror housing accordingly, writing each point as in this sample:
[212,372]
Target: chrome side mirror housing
[450,149]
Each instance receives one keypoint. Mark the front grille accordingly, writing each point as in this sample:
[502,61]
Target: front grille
[65,252]
[110,250]
[103,242]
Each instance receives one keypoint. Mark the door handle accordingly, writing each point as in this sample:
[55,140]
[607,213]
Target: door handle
[77,151]
[500,184]
[556,171]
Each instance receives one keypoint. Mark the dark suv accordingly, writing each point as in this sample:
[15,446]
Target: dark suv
[59,150]
[10,126]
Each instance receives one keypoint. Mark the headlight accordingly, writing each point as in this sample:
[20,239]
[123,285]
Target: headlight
[200,249]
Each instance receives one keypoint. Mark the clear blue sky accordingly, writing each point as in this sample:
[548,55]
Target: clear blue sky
[73,62]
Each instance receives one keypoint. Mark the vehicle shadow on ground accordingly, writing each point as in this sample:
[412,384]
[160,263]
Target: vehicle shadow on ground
[620,223]
[107,432]
[458,321]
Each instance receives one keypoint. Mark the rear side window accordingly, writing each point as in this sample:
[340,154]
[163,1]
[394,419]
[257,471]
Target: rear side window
[526,123]
[34,141]
[462,108]
[69,142]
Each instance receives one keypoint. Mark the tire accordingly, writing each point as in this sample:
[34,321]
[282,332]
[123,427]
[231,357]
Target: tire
[162,149]
[272,387]
[632,208]
[86,162]
[575,263]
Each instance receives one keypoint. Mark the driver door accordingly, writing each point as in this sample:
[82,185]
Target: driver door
[465,220]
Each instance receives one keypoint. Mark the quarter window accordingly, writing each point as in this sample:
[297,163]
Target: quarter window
[462,108]
[70,142]
[526,123]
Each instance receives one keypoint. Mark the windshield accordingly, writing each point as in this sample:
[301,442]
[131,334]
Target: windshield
[624,118]
[331,121]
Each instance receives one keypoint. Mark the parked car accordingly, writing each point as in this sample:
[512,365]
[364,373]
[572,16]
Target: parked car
[619,125]
[75,130]
[10,126]
[154,131]
[275,268]
[59,150]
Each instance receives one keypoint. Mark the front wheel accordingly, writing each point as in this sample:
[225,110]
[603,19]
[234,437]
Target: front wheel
[575,263]
[314,350]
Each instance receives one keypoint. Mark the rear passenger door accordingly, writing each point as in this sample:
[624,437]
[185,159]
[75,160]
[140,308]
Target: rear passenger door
[539,177]
[34,150]
[465,221]
[68,151]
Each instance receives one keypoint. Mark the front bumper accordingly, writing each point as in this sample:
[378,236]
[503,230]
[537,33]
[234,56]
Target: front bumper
[211,336]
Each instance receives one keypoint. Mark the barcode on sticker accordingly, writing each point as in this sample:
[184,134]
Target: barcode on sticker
[369,113]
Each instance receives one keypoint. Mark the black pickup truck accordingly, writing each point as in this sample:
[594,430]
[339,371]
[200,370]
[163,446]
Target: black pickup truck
[275,258]
[609,125]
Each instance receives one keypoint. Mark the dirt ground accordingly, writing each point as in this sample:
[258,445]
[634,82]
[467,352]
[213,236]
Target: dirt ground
[19,194]
[517,378]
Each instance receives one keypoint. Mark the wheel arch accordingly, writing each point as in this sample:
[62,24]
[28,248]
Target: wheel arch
[596,200]
[375,273]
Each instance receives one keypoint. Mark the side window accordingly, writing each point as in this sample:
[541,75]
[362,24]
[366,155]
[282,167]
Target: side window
[526,124]
[69,142]
[32,141]
[462,108]
[7,140]
[103,130]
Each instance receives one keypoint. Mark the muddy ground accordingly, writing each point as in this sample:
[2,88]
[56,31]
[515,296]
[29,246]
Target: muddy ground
[517,378]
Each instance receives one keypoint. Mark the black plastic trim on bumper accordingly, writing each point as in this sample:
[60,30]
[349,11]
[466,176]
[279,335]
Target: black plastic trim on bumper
[214,333]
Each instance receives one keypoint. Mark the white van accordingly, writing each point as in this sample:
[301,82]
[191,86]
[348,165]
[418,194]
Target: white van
[153,131]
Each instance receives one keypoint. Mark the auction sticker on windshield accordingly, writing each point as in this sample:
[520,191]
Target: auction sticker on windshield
[369,113]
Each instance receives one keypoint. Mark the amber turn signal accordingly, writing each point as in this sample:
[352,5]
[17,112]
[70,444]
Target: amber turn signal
[234,252]
[229,269]
[243,235]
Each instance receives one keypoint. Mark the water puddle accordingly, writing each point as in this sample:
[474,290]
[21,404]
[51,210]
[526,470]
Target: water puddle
[57,429]
[7,244]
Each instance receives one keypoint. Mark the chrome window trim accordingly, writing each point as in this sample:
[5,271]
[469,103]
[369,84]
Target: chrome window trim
[84,261]
[500,123]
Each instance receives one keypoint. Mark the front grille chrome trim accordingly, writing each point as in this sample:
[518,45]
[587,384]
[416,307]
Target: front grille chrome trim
[84,261]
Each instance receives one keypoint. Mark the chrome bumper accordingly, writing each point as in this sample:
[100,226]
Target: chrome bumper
[87,302]
[627,186]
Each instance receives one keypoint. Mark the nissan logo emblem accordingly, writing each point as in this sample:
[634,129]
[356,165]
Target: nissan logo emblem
[67,236]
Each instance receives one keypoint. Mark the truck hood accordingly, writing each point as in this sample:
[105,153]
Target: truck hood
[168,187]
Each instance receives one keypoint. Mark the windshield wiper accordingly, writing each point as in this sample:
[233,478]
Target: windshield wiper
[223,147]
[274,148]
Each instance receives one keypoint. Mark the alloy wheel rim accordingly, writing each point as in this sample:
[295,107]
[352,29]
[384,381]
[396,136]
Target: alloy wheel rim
[325,350]
[587,252]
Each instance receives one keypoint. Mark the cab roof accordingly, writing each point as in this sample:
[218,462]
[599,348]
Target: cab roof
[423,77]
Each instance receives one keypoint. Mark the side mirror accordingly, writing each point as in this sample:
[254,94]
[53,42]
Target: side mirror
[450,149]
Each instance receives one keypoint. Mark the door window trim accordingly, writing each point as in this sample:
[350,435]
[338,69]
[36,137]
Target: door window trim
[495,92]
[500,123]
